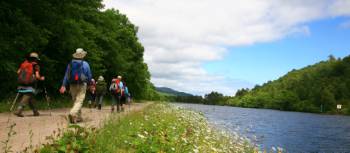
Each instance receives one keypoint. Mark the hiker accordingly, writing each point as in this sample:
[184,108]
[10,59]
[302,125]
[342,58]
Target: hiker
[116,90]
[101,88]
[91,94]
[78,76]
[28,75]
[126,94]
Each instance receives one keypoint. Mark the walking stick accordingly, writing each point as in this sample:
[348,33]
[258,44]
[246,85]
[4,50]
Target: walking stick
[14,102]
[47,100]
[129,99]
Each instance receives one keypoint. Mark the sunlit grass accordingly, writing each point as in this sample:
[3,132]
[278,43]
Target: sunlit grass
[158,128]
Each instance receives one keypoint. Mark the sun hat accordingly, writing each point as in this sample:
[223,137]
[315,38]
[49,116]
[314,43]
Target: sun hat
[79,53]
[34,55]
[100,78]
[119,77]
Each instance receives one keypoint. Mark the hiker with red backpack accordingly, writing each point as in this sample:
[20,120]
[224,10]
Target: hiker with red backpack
[116,89]
[78,76]
[28,75]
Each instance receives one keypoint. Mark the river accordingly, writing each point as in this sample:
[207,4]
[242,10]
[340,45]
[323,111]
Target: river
[292,131]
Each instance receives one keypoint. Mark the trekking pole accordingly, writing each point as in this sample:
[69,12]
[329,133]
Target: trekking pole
[14,102]
[129,99]
[47,100]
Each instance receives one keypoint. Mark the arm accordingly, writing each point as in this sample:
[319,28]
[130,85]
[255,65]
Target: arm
[65,78]
[65,81]
[37,73]
[87,71]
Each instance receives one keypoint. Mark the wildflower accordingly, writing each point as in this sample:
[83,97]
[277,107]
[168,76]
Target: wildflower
[274,149]
[214,149]
[141,136]
[279,149]
[173,149]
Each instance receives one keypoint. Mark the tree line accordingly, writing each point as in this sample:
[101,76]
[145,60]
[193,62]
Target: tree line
[55,28]
[315,88]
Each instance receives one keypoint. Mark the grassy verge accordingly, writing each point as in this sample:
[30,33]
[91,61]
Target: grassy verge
[158,128]
[42,104]
[39,104]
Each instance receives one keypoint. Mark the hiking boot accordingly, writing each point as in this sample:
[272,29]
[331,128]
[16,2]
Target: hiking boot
[36,113]
[19,113]
[79,119]
[112,110]
[71,119]
[99,106]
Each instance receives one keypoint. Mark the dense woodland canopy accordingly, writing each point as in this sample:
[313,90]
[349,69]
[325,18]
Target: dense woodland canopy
[55,28]
[315,88]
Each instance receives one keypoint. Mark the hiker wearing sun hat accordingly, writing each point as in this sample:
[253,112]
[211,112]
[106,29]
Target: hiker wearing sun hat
[28,75]
[116,90]
[77,77]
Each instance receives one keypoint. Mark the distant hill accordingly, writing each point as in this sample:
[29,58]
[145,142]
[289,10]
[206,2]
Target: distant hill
[172,91]
[315,88]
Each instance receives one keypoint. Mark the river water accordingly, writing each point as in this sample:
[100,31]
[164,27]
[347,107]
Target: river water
[292,131]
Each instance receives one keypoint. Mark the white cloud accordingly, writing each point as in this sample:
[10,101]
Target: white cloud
[180,35]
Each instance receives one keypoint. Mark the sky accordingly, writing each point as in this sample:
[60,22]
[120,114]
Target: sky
[199,46]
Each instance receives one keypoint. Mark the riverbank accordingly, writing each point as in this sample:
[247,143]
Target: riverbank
[342,112]
[157,128]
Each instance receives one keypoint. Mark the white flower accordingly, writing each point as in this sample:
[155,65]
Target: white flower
[141,136]
[274,148]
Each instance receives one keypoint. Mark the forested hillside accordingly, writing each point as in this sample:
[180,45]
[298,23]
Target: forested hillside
[316,88]
[172,91]
[55,28]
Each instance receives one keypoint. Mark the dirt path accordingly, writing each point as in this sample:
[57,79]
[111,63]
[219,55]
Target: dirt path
[45,124]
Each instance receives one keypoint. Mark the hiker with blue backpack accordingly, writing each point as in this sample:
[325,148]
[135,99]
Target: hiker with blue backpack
[28,75]
[78,76]
[126,94]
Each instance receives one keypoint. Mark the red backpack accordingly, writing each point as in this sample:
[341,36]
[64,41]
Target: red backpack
[115,86]
[26,74]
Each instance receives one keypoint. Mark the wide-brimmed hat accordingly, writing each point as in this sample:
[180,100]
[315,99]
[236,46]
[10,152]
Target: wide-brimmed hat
[119,77]
[34,55]
[100,78]
[79,53]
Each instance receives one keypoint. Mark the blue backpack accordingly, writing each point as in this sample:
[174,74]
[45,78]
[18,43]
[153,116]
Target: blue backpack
[76,73]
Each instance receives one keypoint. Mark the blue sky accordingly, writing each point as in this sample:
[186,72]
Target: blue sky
[199,46]
[261,62]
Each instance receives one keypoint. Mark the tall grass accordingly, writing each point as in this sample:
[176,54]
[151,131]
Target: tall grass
[158,128]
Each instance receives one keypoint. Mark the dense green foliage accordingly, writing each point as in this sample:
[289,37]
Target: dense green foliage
[158,128]
[316,88]
[55,28]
